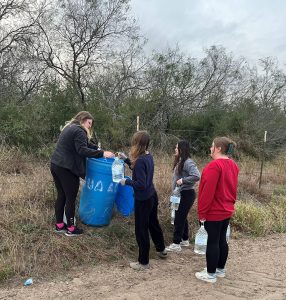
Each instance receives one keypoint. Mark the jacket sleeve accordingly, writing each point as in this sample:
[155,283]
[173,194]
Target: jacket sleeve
[141,176]
[92,146]
[81,146]
[194,174]
[207,189]
[128,162]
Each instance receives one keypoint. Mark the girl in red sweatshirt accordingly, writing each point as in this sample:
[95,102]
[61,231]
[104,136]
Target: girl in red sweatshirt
[216,199]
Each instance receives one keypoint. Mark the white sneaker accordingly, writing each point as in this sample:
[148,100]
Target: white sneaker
[205,276]
[185,243]
[174,248]
[139,267]
[219,272]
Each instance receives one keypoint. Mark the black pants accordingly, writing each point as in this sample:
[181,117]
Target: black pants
[67,185]
[217,247]
[146,220]
[181,225]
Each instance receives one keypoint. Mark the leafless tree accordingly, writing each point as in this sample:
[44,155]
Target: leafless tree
[18,77]
[122,77]
[181,85]
[269,84]
[75,37]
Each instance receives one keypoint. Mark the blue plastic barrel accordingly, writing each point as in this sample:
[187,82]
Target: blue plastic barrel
[98,192]
[124,199]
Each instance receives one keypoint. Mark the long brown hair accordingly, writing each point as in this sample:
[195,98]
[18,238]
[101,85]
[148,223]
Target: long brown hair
[226,144]
[79,118]
[184,152]
[139,145]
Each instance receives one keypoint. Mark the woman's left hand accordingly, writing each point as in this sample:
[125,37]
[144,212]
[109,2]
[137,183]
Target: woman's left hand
[122,181]
[179,181]
[108,154]
[122,155]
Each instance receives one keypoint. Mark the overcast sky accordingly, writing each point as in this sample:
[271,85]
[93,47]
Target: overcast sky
[250,28]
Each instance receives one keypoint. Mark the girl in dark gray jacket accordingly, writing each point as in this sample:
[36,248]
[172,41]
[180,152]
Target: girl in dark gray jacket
[185,175]
[68,165]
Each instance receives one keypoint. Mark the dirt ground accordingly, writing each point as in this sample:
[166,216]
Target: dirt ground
[256,269]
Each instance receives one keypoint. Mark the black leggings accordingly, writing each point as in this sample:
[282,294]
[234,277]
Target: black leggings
[67,185]
[181,225]
[146,220]
[217,247]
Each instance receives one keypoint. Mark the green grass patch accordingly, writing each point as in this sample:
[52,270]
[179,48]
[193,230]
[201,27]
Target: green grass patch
[6,273]
[257,219]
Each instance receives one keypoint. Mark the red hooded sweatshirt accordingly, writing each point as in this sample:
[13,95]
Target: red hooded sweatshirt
[217,190]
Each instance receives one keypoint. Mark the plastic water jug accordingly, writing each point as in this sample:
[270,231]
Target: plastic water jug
[124,199]
[175,198]
[117,170]
[173,212]
[228,233]
[65,219]
[201,240]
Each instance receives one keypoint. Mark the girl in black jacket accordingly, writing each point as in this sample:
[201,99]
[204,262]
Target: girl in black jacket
[146,200]
[68,165]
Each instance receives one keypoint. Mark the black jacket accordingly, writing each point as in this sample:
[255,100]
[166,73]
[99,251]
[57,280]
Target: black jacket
[72,149]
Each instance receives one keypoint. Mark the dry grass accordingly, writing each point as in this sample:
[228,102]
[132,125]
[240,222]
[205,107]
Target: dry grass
[260,211]
[28,246]
[12,161]
[273,174]
[162,180]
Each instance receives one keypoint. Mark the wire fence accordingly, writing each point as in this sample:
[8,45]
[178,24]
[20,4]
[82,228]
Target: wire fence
[19,169]
[163,173]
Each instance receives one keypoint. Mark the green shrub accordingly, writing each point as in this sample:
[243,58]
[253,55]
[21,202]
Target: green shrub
[277,206]
[280,190]
[260,219]
[6,273]
[252,218]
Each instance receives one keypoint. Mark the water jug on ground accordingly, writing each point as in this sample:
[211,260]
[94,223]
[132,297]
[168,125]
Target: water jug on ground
[228,233]
[173,216]
[201,240]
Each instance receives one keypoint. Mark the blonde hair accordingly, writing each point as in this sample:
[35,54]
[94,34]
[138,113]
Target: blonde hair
[78,119]
[139,145]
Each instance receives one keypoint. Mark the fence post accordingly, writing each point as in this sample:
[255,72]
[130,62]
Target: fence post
[137,126]
[262,158]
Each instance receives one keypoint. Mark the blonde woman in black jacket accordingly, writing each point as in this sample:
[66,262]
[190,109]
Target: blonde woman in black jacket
[68,165]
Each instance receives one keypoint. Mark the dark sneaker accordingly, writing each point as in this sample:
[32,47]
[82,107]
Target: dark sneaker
[162,254]
[60,230]
[75,232]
